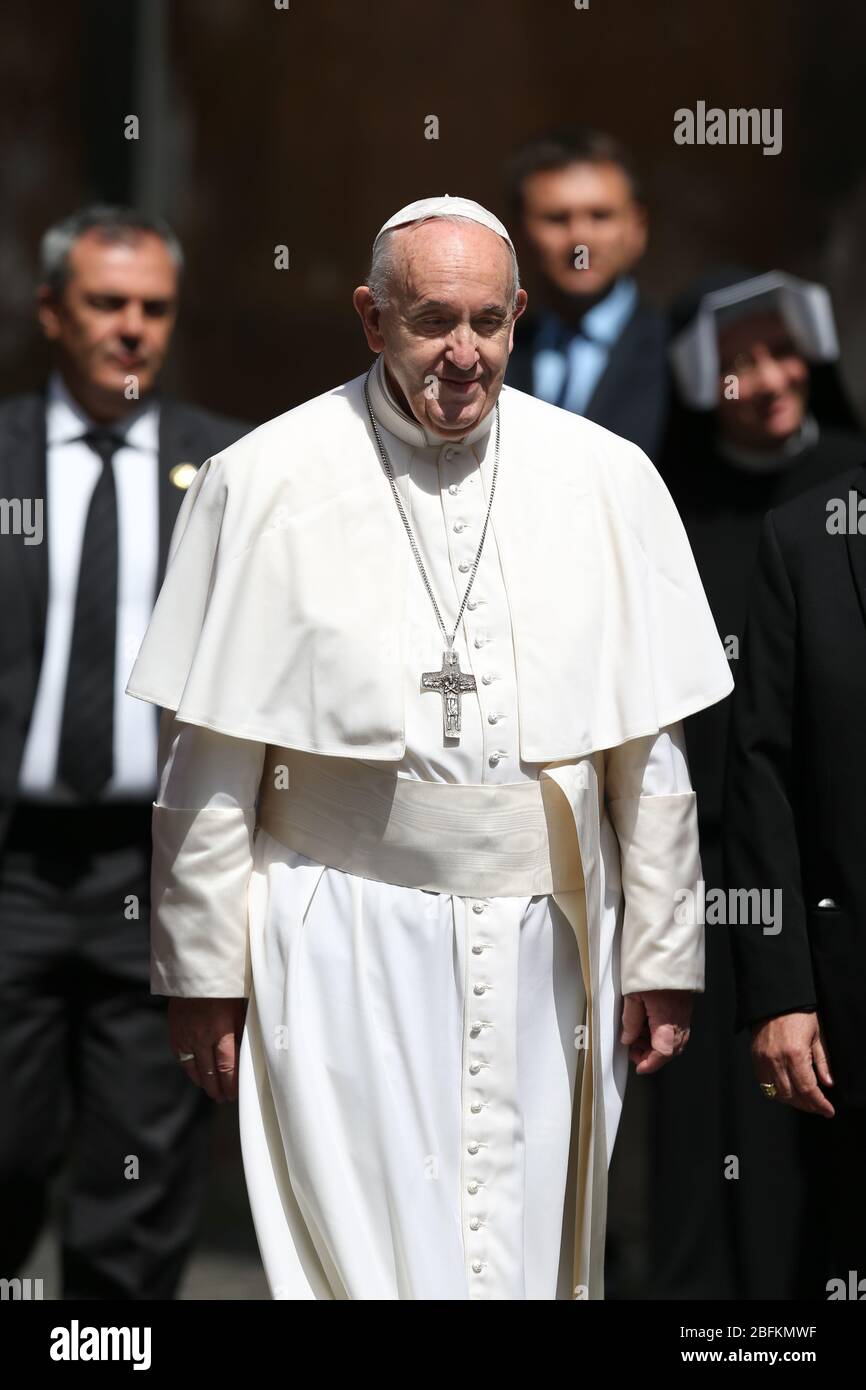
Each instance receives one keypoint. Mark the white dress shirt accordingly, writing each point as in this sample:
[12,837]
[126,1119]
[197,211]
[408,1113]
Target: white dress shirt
[72,472]
[569,362]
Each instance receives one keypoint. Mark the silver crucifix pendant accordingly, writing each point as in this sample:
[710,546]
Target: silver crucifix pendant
[451,683]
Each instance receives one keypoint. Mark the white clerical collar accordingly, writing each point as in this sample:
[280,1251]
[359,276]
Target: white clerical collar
[66,419]
[406,427]
[772,461]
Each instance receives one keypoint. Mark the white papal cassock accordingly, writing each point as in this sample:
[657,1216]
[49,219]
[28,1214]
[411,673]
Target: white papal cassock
[409,1072]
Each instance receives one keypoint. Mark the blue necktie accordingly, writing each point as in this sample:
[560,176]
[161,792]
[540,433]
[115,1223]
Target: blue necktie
[564,338]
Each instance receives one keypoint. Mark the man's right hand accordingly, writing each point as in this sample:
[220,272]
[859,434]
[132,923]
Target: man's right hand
[212,1030]
[789,1051]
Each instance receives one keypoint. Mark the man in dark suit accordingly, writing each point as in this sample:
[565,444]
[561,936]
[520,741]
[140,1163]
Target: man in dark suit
[795,825]
[92,473]
[596,347]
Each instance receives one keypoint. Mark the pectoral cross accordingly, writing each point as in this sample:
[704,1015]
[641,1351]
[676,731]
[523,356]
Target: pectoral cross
[450,682]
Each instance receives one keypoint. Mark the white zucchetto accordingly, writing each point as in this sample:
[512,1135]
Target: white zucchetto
[445,206]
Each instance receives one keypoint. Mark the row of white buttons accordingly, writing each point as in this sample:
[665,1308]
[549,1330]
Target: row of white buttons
[495,717]
[477,950]
[477,1141]
[474,1068]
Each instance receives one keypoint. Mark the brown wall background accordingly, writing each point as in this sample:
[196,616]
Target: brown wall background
[263,126]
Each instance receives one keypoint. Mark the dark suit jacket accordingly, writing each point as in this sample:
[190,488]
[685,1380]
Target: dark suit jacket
[631,396]
[795,798]
[186,435]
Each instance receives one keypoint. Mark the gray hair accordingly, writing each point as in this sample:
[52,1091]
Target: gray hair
[381,272]
[113,224]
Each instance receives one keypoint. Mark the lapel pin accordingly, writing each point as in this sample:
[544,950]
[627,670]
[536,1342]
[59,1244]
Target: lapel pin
[182,475]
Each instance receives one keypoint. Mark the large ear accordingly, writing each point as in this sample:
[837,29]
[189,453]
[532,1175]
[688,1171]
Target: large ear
[368,313]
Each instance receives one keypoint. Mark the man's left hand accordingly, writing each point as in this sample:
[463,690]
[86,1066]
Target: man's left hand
[655,1026]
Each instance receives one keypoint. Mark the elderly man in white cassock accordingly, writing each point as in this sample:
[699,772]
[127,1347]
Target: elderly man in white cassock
[424,814]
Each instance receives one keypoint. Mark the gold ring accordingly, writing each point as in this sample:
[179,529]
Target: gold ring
[769,1089]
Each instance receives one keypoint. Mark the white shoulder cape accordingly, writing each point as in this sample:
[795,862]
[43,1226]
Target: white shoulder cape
[281,615]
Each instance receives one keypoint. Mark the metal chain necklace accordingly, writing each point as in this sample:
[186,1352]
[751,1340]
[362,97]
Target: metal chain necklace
[449,681]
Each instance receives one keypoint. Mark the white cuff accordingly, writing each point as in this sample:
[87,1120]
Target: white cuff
[658,838]
[202,861]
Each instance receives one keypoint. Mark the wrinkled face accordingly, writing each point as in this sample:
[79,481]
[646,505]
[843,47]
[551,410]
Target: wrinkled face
[772,378]
[583,205]
[115,316]
[447,330]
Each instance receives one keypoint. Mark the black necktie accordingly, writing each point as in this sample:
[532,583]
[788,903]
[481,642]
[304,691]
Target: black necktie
[85,758]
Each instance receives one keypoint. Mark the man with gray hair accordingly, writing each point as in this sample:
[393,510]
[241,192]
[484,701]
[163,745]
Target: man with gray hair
[105,457]
[423,650]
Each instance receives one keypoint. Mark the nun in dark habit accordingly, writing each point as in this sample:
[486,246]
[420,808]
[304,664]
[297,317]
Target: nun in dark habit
[761,415]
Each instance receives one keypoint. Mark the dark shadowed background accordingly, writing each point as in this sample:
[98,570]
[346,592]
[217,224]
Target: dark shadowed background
[305,127]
